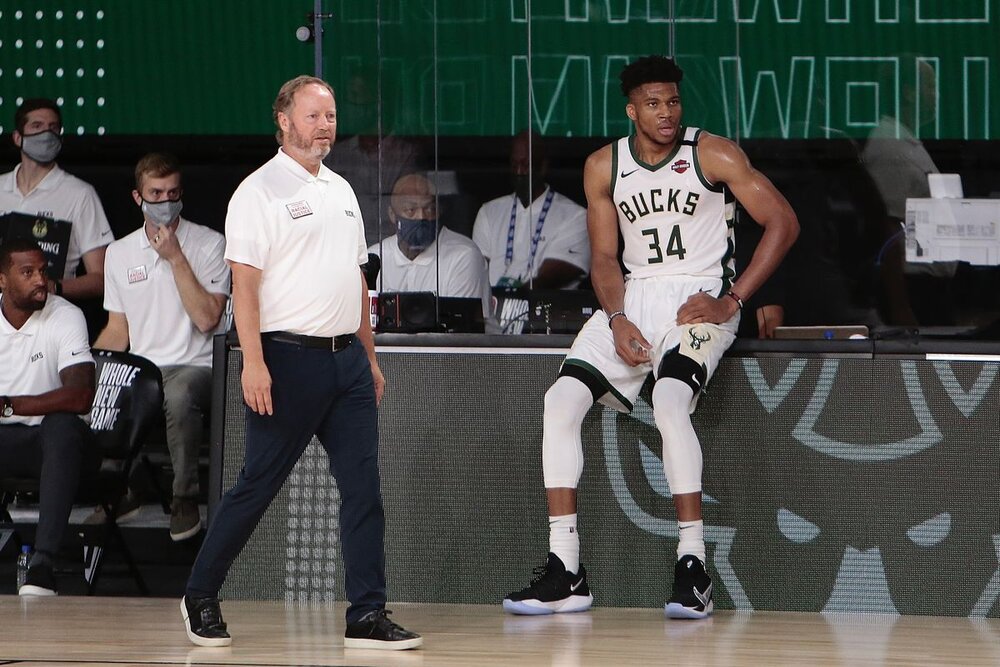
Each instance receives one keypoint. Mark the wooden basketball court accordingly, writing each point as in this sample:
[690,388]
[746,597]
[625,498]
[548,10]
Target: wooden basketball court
[130,631]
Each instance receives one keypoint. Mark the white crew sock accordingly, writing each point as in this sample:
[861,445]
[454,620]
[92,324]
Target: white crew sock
[564,541]
[692,539]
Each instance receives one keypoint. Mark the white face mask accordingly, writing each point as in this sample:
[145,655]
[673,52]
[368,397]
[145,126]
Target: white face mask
[42,147]
[162,213]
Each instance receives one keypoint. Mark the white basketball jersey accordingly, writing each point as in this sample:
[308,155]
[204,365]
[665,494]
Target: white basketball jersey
[673,221]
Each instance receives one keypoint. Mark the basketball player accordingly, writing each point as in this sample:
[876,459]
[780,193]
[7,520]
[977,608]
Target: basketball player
[666,190]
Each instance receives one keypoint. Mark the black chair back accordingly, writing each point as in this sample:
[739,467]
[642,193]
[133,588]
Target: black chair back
[127,403]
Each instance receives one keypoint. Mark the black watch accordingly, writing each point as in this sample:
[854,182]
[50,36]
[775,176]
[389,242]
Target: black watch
[8,408]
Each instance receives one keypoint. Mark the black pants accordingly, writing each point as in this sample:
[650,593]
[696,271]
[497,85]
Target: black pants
[332,395]
[56,453]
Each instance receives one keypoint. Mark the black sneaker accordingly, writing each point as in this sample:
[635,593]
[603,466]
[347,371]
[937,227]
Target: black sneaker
[692,596]
[203,622]
[39,581]
[375,630]
[552,591]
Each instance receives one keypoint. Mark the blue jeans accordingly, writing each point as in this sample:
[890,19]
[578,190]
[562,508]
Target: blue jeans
[332,395]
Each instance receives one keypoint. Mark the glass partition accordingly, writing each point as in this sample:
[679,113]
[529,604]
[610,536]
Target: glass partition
[851,108]
[874,118]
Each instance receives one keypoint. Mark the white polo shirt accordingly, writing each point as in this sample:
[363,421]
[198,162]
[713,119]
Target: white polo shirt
[563,235]
[140,284]
[31,357]
[306,235]
[64,197]
[451,266]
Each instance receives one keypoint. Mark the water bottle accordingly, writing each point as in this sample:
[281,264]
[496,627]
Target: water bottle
[23,559]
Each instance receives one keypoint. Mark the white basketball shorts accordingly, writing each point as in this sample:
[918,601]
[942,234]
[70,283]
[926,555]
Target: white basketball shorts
[651,304]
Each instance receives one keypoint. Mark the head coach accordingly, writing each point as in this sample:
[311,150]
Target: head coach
[295,242]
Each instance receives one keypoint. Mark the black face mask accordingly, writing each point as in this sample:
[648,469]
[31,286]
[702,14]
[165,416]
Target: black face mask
[525,186]
[417,234]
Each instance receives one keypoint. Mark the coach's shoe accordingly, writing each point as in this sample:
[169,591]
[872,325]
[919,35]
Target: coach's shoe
[692,596]
[552,591]
[39,581]
[375,630]
[203,622]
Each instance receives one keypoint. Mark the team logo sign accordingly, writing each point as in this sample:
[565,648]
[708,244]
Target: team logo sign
[40,229]
[835,485]
[680,166]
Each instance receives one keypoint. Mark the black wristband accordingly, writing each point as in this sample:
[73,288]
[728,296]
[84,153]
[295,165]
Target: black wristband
[612,316]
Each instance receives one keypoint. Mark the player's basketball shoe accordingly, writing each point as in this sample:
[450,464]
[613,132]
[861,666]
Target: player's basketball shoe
[552,591]
[692,596]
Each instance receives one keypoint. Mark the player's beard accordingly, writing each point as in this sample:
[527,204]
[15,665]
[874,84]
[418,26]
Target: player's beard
[309,146]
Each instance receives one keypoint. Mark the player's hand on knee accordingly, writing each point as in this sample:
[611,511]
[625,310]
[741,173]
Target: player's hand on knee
[256,381]
[630,344]
[702,307]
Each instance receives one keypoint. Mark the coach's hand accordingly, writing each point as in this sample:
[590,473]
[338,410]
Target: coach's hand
[257,387]
[630,344]
[702,307]
[379,383]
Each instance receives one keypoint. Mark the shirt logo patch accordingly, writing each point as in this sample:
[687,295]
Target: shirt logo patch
[35,357]
[299,209]
[350,214]
[680,166]
[137,274]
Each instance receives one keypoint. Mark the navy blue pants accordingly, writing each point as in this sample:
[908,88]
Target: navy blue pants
[332,395]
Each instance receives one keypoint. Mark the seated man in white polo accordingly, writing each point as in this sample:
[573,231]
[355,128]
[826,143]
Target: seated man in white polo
[533,237]
[166,286]
[423,256]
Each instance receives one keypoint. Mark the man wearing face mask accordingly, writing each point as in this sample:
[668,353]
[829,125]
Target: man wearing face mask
[166,286]
[534,236]
[37,186]
[423,256]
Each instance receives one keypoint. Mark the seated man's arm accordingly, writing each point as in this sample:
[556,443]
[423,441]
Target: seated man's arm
[464,274]
[90,284]
[481,235]
[556,273]
[567,258]
[75,396]
[93,234]
[203,307]
[115,334]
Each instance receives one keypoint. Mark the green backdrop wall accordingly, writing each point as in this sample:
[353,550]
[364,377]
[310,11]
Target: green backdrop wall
[755,68]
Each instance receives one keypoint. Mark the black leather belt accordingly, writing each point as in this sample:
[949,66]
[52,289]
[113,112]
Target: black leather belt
[336,343]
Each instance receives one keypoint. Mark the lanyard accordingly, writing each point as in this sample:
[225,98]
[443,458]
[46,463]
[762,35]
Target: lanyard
[509,257]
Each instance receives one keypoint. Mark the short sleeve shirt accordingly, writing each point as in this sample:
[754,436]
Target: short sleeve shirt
[452,266]
[62,196]
[306,235]
[563,235]
[31,357]
[898,164]
[140,284]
